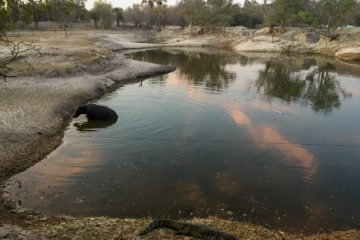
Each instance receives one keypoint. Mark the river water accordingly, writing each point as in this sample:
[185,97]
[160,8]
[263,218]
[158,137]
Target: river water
[266,138]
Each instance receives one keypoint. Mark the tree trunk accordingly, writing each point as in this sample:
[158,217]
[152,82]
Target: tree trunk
[191,26]
[282,25]
[66,21]
[65,32]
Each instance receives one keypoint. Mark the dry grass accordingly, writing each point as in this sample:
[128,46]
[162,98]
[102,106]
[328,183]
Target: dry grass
[58,55]
[107,228]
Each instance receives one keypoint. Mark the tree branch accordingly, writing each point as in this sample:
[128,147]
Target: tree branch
[13,51]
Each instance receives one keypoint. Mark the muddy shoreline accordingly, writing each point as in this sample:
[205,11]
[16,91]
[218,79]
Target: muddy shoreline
[31,133]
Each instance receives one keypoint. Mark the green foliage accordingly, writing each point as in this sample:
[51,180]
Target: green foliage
[357,18]
[62,10]
[193,11]
[11,13]
[249,16]
[308,18]
[175,16]
[103,13]
[151,3]
[35,9]
[220,12]
[284,12]
[80,12]
[334,12]
[67,6]
[119,15]
[3,16]
[210,13]
[213,13]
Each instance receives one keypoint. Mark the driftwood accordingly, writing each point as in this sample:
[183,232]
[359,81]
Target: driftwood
[281,235]
[190,229]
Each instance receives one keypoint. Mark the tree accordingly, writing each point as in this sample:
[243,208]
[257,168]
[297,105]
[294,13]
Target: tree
[250,15]
[95,16]
[36,8]
[357,18]
[175,16]
[151,3]
[62,9]
[284,12]
[154,10]
[333,12]
[193,12]
[220,12]
[102,12]
[119,16]
[308,18]
[12,49]
[268,17]
[156,15]
[80,11]
[135,14]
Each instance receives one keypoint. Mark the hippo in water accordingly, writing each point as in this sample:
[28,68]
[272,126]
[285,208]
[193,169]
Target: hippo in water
[96,112]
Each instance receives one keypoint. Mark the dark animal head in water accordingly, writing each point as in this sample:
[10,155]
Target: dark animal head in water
[80,110]
[96,112]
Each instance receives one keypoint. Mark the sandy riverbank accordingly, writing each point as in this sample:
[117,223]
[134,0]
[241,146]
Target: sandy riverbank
[294,40]
[36,107]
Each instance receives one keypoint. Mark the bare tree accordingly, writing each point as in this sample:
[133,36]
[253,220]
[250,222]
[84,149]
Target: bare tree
[13,49]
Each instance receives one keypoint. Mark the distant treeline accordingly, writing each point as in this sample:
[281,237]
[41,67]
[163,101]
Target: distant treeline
[328,14]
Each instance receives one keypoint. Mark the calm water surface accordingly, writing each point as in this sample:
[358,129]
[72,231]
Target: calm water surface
[264,138]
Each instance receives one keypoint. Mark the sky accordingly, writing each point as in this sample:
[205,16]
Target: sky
[127,3]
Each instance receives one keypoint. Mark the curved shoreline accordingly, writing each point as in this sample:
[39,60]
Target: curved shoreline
[27,145]
[36,111]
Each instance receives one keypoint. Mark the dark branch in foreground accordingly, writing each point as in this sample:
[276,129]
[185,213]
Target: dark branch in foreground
[281,235]
[189,229]
[14,50]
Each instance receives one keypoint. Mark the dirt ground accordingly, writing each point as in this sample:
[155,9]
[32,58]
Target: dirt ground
[36,107]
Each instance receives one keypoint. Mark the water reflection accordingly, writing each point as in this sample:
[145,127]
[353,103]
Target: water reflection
[276,80]
[267,136]
[206,69]
[320,86]
[257,149]
[323,90]
[307,80]
[93,125]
